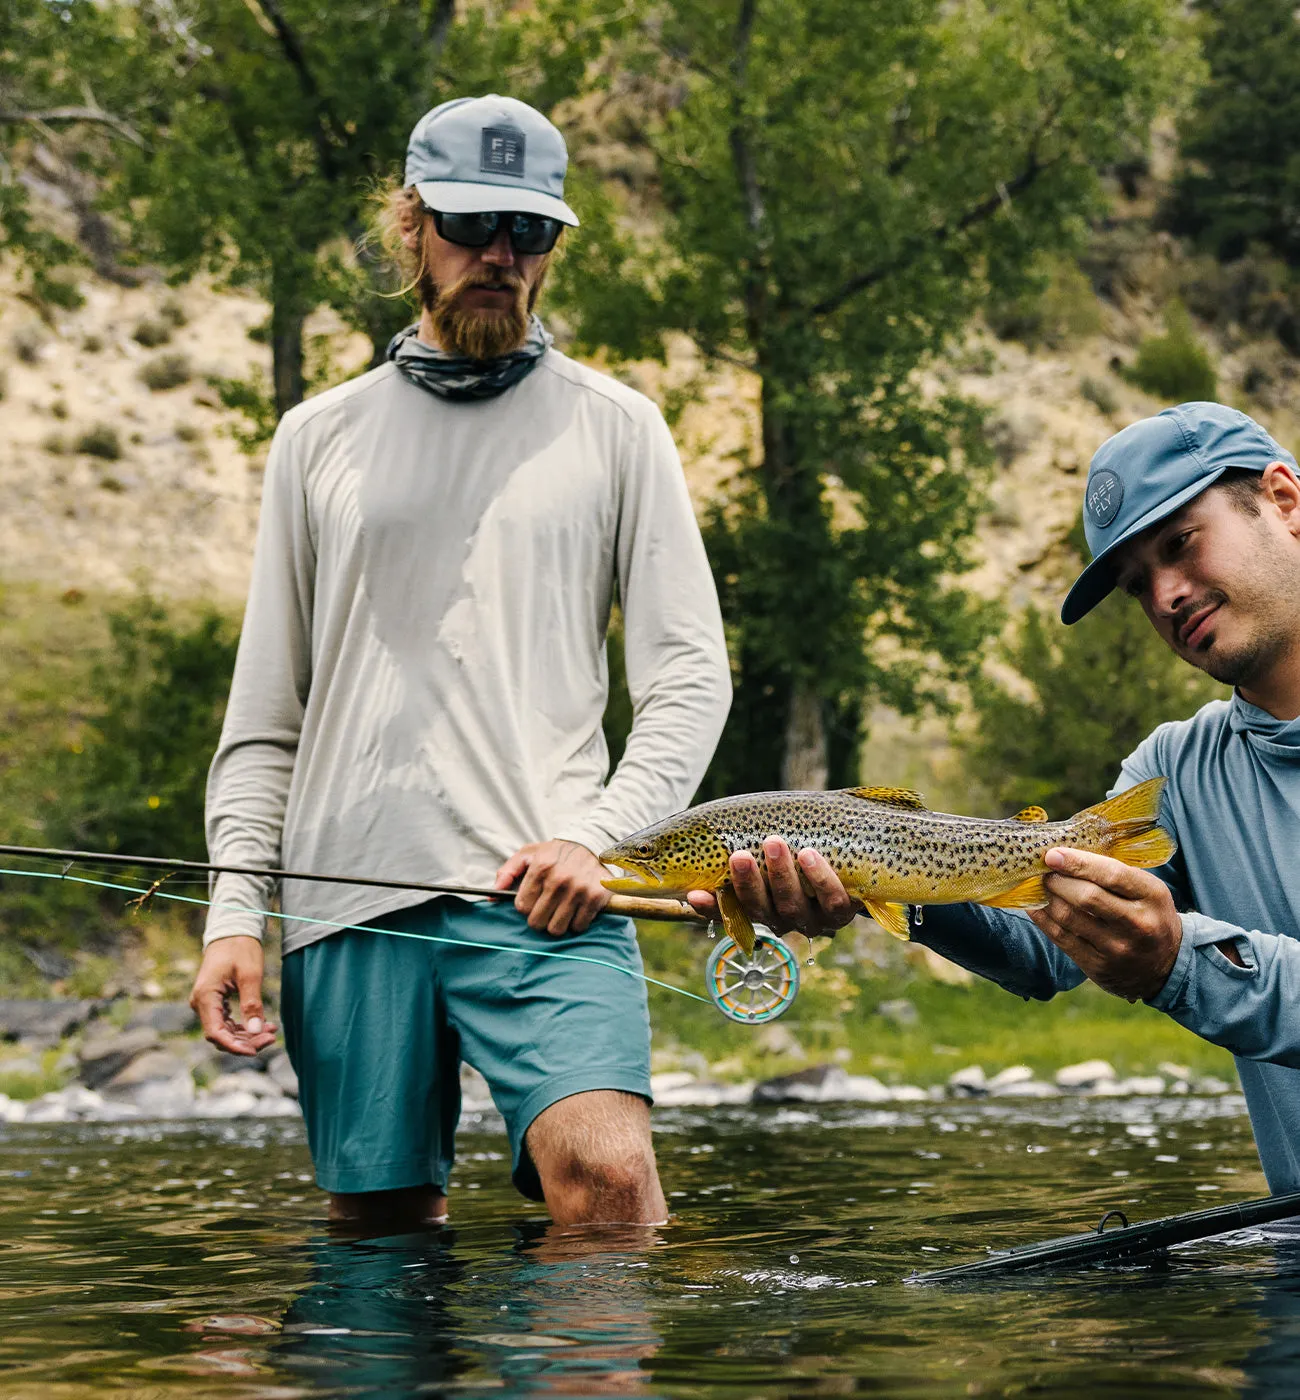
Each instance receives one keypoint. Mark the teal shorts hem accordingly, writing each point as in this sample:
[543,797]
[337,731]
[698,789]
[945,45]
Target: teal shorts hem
[377,1176]
[620,1078]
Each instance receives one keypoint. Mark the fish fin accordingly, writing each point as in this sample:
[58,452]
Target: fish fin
[1028,894]
[1145,849]
[891,796]
[1029,814]
[891,917]
[1135,804]
[735,920]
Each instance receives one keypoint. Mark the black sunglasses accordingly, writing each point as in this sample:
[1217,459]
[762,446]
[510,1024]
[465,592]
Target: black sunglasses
[529,233]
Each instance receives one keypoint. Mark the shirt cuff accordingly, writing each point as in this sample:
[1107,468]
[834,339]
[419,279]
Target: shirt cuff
[1167,997]
[593,837]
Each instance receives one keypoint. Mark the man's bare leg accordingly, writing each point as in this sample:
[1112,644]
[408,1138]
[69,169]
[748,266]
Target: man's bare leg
[593,1154]
[377,1213]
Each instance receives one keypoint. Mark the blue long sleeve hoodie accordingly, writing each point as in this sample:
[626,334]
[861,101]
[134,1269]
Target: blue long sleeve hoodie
[1233,802]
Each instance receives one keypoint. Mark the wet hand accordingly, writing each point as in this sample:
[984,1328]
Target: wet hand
[232,969]
[560,890]
[782,901]
[1118,923]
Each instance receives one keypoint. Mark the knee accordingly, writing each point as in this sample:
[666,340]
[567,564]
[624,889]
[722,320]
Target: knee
[600,1188]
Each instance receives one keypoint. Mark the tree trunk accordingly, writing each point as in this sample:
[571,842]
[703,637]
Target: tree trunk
[805,763]
[288,315]
[286,356]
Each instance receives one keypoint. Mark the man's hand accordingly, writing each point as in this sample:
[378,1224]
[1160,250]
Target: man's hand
[780,901]
[232,967]
[1118,923]
[561,889]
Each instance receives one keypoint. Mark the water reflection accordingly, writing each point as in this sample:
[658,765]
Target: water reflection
[171,1261]
[567,1312]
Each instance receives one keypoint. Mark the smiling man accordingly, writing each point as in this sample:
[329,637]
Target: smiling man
[418,695]
[1195,513]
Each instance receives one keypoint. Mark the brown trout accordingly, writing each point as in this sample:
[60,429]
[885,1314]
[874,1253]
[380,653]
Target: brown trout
[886,846]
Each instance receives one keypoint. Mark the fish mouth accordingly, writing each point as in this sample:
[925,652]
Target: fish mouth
[641,878]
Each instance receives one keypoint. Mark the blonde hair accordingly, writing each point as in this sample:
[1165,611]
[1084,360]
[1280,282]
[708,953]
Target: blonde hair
[397,209]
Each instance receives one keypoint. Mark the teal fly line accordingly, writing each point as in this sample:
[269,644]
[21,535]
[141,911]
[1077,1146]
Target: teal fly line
[154,892]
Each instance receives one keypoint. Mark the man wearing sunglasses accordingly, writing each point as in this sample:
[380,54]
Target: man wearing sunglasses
[418,695]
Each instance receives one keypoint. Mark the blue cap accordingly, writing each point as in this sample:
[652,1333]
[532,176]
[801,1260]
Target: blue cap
[486,155]
[1151,468]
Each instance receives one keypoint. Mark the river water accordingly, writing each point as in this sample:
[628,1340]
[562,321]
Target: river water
[159,1261]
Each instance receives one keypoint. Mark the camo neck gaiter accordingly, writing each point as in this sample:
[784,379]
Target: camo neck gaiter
[454,376]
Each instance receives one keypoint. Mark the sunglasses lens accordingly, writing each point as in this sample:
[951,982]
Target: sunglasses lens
[531,233]
[469,230]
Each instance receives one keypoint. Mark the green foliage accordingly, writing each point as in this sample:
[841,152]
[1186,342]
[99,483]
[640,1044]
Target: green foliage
[1058,308]
[137,784]
[249,398]
[844,186]
[1099,394]
[1088,695]
[618,708]
[1175,366]
[102,440]
[1240,181]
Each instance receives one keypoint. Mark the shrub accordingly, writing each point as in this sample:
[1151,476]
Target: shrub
[92,344]
[1174,366]
[28,342]
[55,445]
[173,312]
[138,784]
[1100,395]
[166,371]
[1061,308]
[151,332]
[1257,293]
[59,410]
[100,441]
[188,432]
[62,292]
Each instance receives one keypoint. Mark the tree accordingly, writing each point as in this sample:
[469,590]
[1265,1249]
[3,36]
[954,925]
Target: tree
[844,183]
[273,120]
[1240,178]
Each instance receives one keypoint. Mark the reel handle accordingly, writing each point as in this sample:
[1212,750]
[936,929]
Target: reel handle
[669,910]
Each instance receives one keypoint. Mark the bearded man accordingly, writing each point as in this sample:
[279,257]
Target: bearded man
[418,696]
[1195,513]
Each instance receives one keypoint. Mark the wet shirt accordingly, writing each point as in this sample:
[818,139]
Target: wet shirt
[422,676]
[1233,802]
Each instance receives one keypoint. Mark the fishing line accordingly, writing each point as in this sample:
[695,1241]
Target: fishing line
[155,892]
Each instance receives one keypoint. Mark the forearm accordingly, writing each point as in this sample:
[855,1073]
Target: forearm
[998,945]
[1252,1010]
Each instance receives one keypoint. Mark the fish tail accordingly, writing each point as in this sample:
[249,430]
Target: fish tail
[1139,841]
[1135,804]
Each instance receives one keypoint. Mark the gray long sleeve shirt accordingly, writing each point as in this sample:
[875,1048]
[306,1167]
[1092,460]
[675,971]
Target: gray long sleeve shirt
[421,675]
[1233,802]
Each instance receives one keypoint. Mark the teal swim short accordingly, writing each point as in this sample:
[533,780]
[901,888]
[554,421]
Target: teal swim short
[377,1026]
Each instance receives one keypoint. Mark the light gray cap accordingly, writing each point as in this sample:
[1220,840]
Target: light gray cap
[482,155]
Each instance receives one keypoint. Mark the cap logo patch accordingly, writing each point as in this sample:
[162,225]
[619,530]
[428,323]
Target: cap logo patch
[1104,498]
[502,151]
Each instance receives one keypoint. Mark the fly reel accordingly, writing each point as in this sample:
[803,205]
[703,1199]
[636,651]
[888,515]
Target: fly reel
[753,987]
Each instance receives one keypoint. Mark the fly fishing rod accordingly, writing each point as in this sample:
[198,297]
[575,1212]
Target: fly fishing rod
[1122,1245]
[672,910]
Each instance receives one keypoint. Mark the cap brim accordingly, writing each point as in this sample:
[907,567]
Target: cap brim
[462,197]
[1098,579]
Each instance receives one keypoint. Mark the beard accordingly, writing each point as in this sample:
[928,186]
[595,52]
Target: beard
[480,333]
[1264,599]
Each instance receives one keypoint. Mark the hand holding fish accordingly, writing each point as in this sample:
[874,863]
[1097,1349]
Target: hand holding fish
[1118,923]
[561,890]
[781,902]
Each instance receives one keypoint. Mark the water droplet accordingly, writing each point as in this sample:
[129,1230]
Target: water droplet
[811,961]
[920,915]
[713,929]
[794,1258]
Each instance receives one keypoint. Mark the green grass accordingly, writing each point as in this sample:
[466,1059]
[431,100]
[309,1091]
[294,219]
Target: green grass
[956,1026]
